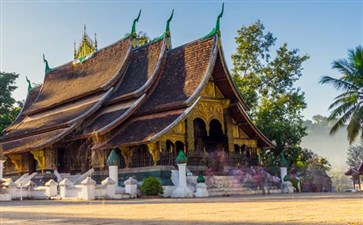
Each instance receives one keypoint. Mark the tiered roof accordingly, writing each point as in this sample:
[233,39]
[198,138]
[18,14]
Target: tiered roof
[131,95]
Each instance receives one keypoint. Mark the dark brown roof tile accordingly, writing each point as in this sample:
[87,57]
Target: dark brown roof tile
[143,128]
[33,142]
[139,71]
[184,70]
[70,81]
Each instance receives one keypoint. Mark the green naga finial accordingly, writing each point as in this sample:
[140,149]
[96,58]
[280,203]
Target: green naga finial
[216,29]
[167,29]
[47,68]
[133,35]
[29,84]
[219,18]
[133,29]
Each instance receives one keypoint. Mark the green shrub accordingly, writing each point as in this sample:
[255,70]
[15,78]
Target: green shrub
[151,186]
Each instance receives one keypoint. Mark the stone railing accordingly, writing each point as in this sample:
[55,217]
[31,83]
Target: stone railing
[12,190]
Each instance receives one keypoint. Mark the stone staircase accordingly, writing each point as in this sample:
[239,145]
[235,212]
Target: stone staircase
[70,177]
[231,185]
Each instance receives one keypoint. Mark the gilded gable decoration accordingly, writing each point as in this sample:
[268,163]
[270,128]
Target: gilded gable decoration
[85,49]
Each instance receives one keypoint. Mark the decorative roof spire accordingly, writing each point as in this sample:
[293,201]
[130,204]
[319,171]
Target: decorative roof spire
[96,41]
[86,47]
[47,68]
[75,50]
[29,84]
[216,29]
[84,30]
[133,34]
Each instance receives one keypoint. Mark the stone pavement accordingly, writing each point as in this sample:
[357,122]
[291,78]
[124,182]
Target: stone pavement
[294,209]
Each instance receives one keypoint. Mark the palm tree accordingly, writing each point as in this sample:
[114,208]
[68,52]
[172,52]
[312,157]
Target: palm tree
[348,106]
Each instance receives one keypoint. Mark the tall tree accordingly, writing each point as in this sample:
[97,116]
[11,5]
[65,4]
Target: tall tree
[348,106]
[7,102]
[355,155]
[266,78]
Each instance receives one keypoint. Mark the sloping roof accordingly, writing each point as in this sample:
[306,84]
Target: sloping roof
[30,98]
[69,95]
[352,172]
[72,81]
[56,117]
[183,74]
[141,69]
[35,141]
[142,129]
[140,75]
[42,129]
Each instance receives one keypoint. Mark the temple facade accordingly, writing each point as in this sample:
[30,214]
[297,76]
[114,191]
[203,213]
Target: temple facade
[148,102]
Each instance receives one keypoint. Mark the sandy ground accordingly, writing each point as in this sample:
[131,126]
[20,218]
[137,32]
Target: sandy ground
[322,208]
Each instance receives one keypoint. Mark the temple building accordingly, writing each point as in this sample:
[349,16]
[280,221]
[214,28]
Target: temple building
[147,102]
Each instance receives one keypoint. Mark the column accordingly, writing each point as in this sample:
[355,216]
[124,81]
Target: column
[190,135]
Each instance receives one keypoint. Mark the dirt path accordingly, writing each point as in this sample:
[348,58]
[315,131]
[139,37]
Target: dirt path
[323,208]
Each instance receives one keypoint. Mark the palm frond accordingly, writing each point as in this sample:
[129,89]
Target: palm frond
[354,125]
[343,66]
[341,121]
[339,84]
[347,101]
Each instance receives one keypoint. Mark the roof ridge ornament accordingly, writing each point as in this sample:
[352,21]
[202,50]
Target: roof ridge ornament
[87,47]
[29,84]
[216,29]
[167,32]
[47,68]
[133,34]
[167,29]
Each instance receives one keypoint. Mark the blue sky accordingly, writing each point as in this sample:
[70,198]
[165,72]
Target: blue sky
[322,29]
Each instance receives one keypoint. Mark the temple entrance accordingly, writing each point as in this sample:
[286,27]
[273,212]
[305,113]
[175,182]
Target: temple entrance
[62,161]
[216,139]
[200,135]
[215,144]
[32,163]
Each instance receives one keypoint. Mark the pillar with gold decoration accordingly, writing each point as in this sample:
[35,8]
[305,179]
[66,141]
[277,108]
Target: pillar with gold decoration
[154,151]
[39,156]
[127,155]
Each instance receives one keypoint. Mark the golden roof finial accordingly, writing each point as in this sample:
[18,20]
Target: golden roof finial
[86,47]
